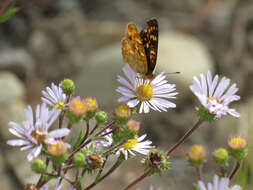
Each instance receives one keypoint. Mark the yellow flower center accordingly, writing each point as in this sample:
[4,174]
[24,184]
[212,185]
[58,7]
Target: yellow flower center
[39,135]
[212,98]
[92,104]
[237,143]
[77,107]
[130,144]
[144,92]
[60,105]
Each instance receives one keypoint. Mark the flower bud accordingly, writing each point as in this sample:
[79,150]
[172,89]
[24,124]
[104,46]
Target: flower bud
[221,156]
[57,149]
[68,86]
[39,166]
[122,113]
[79,159]
[101,117]
[197,155]
[133,125]
[30,186]
[92,107]
[78,106]
[94,161]
[238,147]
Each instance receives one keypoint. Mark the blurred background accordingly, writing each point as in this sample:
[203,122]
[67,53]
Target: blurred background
[81,39]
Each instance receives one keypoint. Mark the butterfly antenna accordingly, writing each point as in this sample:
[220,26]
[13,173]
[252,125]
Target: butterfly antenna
[172,73]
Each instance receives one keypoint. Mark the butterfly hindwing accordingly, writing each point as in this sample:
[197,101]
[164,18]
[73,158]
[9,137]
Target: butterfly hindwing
[149,38]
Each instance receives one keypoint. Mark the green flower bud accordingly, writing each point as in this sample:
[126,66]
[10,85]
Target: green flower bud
[58,160]
[221,156]
[68,86]
[79,159]
[39,166]
[101,117]
[204,115]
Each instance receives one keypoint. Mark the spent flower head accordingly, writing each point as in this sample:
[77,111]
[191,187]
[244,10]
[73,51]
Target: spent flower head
[34,131]
[218,184]
[54,97]
[92,103]
[146,93]
[214,96]
[133,125]
[58,148]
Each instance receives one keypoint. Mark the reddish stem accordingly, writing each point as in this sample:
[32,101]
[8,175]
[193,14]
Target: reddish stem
[138,180]
[5,6]
[114,167]
[184,137]
[237,166]
[27,4]
[198,172]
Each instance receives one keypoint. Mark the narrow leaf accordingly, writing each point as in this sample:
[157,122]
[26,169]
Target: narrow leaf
[6,16]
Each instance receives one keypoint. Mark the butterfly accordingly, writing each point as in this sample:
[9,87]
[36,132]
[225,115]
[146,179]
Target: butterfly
[139,50]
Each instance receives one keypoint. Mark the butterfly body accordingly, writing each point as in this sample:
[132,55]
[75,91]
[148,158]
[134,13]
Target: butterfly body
[139,50]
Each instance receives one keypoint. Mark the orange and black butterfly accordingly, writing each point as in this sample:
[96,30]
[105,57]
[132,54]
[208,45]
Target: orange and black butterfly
[139,50]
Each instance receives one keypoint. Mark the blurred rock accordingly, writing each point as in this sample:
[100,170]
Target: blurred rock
[12,98]
[6,182]
[17,61]
[183,53]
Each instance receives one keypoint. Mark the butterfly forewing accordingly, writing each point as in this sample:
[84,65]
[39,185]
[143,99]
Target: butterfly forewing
[133,50]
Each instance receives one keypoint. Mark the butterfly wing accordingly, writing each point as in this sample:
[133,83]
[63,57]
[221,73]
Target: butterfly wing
[149,38]
[133,51]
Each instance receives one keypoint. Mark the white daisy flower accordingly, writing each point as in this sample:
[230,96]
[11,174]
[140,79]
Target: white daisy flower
[135,145]
[34,130]
[149,93]
[213,96]
[54,96]
[218,184]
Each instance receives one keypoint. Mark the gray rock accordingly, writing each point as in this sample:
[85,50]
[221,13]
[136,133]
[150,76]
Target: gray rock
[183,53]
[17,61]
[12,102]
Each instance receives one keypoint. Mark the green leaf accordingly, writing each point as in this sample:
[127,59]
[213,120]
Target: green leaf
[78,141]
[6,16]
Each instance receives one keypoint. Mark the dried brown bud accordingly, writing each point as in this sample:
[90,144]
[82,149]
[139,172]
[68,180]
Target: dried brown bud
[30,186]
[94,161]
[154,159]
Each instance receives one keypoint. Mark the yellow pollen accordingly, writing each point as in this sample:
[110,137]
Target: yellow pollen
[212,98]
[60,105]
[130,144]
[92,103]
[40,137]
[122,111]
[144,92]
[77,107]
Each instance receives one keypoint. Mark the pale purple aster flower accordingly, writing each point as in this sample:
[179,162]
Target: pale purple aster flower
[34,131]
[214,96]
[104,143]
[54,96]
[58,186]
[135,145]
[152,94]
[218,184]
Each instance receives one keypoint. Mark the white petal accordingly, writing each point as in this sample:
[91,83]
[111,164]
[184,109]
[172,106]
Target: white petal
[58,133]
